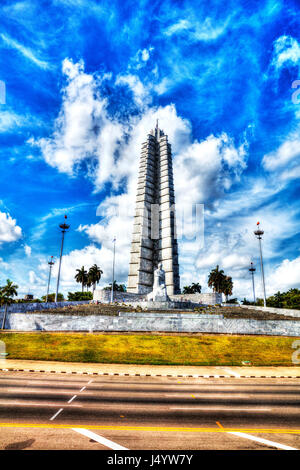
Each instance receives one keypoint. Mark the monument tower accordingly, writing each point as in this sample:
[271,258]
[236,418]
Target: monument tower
[154,230]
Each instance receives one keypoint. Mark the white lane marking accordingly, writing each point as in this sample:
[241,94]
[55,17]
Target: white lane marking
[83,388]
[71,399]
[42,405]
[231,372]
[262,441]
[100,439]
[90,382]
[57,413]
[207,408]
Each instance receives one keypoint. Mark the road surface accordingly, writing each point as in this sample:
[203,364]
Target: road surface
[64,411]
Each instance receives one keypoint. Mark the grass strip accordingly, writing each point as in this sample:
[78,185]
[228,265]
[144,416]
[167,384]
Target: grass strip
[150,349]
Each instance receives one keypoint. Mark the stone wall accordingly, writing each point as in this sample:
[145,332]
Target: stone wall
[210,298]
[148,322]
[30,307]
[101,295]
[280,311]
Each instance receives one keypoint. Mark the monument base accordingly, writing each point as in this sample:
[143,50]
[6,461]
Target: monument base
[175,301]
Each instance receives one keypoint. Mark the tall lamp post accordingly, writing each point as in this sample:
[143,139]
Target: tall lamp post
[64,227]
[51,263]
[259,233]
[252,271]
[113,273]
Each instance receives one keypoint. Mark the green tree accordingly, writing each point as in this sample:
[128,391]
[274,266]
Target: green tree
[7,293]
[215,279]
[192,289]
[117,287]
[81,277]
[226,286]
[94,275]
[76,296]
[51,297]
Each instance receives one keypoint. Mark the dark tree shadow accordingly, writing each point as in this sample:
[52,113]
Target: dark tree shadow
[20,445]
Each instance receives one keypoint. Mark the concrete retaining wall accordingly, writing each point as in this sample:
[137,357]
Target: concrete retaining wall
[280,311]
[210,298]
[102,295]
[30,307]
[150,322]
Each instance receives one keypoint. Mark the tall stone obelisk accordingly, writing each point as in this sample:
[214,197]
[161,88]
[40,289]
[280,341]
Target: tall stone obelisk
[154,230]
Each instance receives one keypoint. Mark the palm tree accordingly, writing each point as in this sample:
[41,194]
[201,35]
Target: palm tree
[192,289]
[6,294]
[81,277]
[215,279]
[94,275]
[227,286]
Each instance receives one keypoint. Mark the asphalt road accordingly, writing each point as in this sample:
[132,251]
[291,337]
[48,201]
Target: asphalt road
[58,411]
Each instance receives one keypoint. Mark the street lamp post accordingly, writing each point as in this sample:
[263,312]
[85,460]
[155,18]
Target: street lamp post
[252,271]
[259,233]
[113,273]
[51,263]
[64,227]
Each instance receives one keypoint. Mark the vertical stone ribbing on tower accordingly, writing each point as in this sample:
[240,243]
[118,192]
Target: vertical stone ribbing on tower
[154,237]
[168,248]
[140,277]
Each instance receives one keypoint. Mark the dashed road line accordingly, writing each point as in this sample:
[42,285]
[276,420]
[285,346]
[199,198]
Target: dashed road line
[56,414]
[100,439]
[71,399]
[232,374]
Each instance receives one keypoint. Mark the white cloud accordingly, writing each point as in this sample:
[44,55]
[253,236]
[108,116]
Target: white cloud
[9,230]
[287,152]
[25,51]
[27,250]
[82,129]
[286,51]
[206,30]
[140,92]
[286,276]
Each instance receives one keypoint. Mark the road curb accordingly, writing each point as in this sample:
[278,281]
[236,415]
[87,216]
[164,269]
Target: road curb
[196,376]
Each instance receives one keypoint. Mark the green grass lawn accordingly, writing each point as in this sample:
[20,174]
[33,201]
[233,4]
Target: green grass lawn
[150,349]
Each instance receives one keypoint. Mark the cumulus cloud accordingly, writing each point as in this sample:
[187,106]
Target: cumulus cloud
[9,230]
[286,52]
[286,275]
[82,129]
[287,153]
[140,92]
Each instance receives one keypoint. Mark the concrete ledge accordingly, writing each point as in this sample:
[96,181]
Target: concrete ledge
[280,311]
[150,323]
[29,307]
[142,370]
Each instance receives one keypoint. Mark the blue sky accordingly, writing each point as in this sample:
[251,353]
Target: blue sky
[85,82]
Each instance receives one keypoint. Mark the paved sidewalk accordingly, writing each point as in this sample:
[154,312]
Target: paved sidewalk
[149,370]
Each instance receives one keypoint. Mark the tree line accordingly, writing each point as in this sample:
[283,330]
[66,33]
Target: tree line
[88,278]
[289,299]
[217,280]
